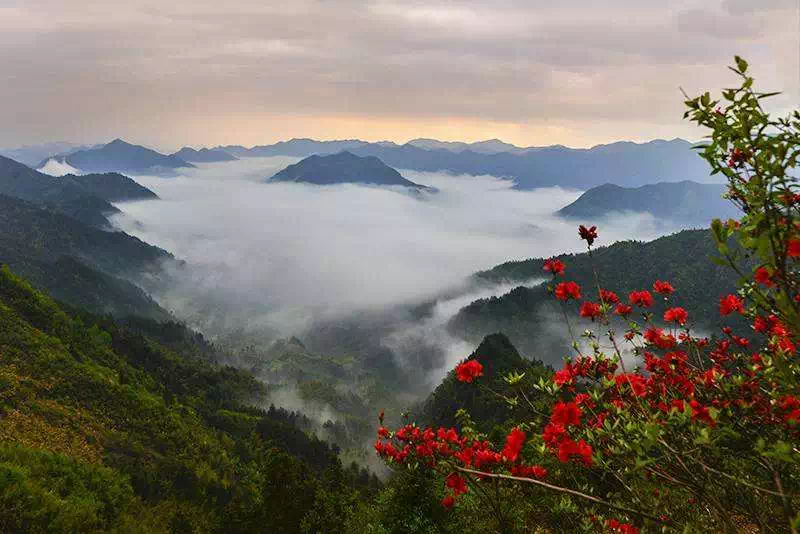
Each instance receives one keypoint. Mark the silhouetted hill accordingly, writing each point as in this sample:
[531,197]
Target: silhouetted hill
[119,156]
[686,202]
[342,168]
[499,357]
[86,198]
[204,155]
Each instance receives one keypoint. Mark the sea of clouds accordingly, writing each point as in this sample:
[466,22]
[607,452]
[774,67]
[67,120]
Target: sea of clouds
[278,258]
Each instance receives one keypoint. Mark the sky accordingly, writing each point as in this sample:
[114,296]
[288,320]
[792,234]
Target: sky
[531,72]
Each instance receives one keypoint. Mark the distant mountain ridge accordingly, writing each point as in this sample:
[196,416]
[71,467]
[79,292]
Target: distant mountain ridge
[343,168]
[120,156]
[204,155]
[32,155]
[624,163]
[686,202]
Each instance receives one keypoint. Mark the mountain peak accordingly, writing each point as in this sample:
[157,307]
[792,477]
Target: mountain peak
[340,168]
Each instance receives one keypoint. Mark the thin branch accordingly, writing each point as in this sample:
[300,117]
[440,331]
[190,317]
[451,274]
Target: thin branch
[569,491]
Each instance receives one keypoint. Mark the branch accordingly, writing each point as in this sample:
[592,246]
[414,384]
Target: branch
[573,492]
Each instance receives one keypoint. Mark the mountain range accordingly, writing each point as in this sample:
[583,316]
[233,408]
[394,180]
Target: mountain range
[204,155]
[342,168]
[624,163]
[684,203]
[120,156]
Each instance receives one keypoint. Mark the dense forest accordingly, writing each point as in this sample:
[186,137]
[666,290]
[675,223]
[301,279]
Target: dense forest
[132,428]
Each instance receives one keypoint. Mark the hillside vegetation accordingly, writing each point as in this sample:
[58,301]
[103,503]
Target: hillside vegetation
[106,428]
[527,314]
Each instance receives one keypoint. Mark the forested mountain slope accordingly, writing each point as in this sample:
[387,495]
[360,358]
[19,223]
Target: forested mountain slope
[105,428]
[76,263]
[532,318]
[86,198]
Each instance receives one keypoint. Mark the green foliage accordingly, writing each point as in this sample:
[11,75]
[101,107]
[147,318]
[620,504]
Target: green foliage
[118,430]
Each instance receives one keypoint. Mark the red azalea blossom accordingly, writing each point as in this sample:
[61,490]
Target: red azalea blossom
[456,483]
[535,471]
[737,157]
[676,315]
[642,298]
[568,449]
[623,310]
[568,290]
[448,502]
[563,376]
[591,310]
[469,371]
[514,442]
[730,304]
[566,414]
[793,248]
[763,277]
[588,234]
[609,297]
[656,336]
[554,266]
[664,288]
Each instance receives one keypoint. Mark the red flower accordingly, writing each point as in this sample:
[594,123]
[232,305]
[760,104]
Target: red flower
[588,234]
[535,471]
[642,298]
[657,337]
[737,157]
[553,433]
[469,371]
[623,310]
[568,290]
[730,304]
[568,449]
[793,249]
[514,442]
[591,310]
[554,266]
[563,376]
[763,277]
[664,288]
[676,315]
[700,412]
[566,414]
[636,382]
[456,483]
[609,297]
[448,502]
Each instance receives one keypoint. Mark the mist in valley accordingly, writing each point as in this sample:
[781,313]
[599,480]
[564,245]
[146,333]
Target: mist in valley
[348,269]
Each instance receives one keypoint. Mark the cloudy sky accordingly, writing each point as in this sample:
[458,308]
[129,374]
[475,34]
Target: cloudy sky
[532,72]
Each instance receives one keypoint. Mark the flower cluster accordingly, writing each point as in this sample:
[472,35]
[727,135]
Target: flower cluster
[447,451]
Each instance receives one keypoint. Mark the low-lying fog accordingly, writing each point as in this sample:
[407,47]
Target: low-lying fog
[277,257]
